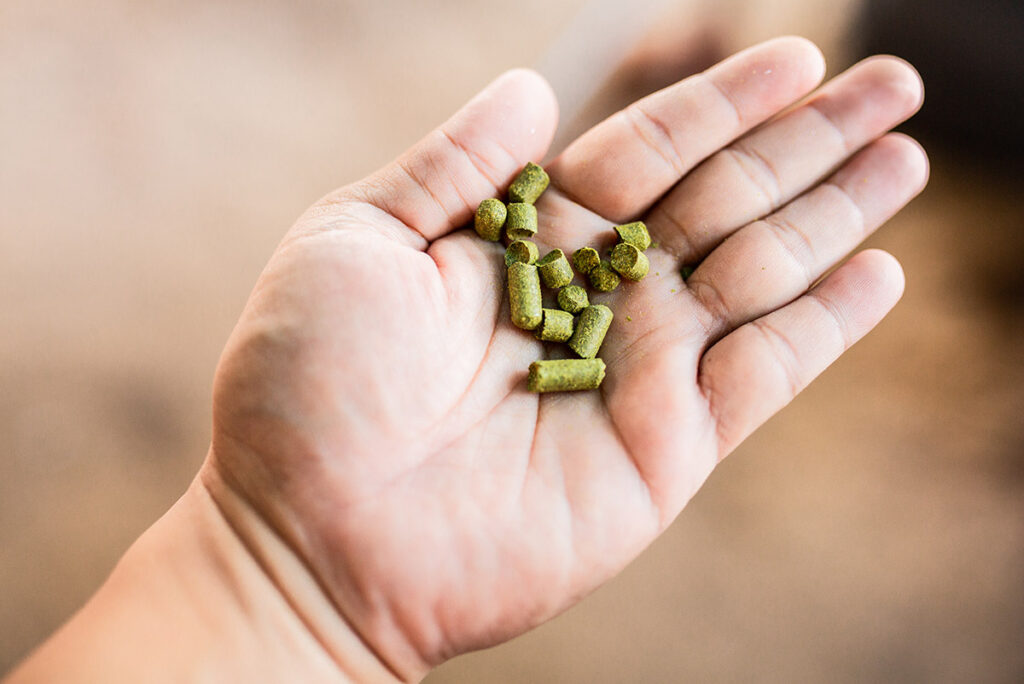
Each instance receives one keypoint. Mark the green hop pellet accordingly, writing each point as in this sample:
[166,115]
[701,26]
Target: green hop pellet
[555,326]
[590,330]
[585,259]
[635,233]
[490,219]
[522,251]
[573,298]
[524,296]
[629,261]
[521,223]
[555,271]
[604,278]
[529,184]
[686,272]
[565,375]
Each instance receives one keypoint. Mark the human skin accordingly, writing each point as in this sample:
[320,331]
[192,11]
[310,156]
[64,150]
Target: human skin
[382,493]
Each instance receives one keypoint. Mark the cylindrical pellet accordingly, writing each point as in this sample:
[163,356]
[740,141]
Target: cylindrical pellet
[555,326]
[490,219]
[573,298]
[524,296]
[529,184]
[555,271]
[521,223]
[564,375]
[635,233]
[629,261]
[590,330]
[604,278]
[585,259]
[523,251]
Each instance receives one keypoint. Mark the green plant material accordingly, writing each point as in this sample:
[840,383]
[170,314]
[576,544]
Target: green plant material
[555,271]
[635,233]
[629,261]
[524,296]
[585,259]
[529,184]
[686,272]
[521,251]
[521,223]
[573,298]
[590,330]
[604,278]
[556,326]
[490,219]
[564,375]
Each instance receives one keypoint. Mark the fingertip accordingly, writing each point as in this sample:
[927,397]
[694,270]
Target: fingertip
[808,52]
[917,157]
[901,77]
[801,56]
[887,270]
[533,97]
[871,282]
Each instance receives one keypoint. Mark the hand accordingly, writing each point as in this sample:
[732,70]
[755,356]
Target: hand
[371,406]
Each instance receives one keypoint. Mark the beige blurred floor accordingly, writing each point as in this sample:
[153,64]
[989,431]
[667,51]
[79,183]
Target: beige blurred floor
[151,154]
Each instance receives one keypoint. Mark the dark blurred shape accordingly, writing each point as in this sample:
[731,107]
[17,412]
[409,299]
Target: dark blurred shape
[971,56]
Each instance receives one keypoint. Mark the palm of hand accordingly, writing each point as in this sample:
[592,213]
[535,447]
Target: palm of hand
[372,403]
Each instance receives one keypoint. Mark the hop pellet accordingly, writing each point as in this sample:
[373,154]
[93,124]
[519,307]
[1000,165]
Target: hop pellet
[604,278]
[555,271]
[521,223]
[524,296]
[590,330]
[586,259]
[629,261]
[522,251]
[529,184]
[564,375]
[555,326]
[573,298]
[635,233]
[490,219]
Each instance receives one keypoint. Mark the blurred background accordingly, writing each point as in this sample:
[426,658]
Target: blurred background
[152,154]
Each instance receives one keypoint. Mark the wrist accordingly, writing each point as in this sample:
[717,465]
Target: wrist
[190,600]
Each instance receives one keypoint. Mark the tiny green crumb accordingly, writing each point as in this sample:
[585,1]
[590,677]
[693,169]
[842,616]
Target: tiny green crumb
[629,318]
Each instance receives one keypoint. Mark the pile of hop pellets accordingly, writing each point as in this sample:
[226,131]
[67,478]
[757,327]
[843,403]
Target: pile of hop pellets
[577,322]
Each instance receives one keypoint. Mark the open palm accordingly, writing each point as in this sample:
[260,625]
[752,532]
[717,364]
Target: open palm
[371,405]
